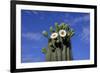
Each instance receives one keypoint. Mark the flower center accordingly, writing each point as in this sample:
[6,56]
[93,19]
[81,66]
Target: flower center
[62,33]
[54,35]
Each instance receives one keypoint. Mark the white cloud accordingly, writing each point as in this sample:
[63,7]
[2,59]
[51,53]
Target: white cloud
[32,36]
[80,19]
[34,12]
[85,35]
[31,12]
[84,18]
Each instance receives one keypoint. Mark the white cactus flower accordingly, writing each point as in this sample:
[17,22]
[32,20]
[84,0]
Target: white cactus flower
[62,33]
[54,35]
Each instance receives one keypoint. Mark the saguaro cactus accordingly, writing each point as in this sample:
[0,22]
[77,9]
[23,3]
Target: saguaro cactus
[59,44]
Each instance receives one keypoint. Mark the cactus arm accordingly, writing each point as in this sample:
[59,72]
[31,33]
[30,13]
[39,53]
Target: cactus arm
[44,50]
[64,53]
[68,54]
[53,56]
[48,54]
[53,43]
[59,54]
[71,56]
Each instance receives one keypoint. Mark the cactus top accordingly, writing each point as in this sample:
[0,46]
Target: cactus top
[62,30]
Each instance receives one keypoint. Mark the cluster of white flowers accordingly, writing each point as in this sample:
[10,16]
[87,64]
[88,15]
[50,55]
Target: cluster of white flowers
[62,33]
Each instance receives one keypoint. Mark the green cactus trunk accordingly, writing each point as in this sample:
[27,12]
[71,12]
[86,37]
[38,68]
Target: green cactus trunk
[54,56]
[68,53]
[59,54]
[64,53]
[48,54]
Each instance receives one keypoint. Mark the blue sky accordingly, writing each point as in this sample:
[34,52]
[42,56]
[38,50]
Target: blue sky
[34,22]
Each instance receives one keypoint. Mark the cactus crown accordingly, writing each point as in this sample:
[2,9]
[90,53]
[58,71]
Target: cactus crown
[63,30]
